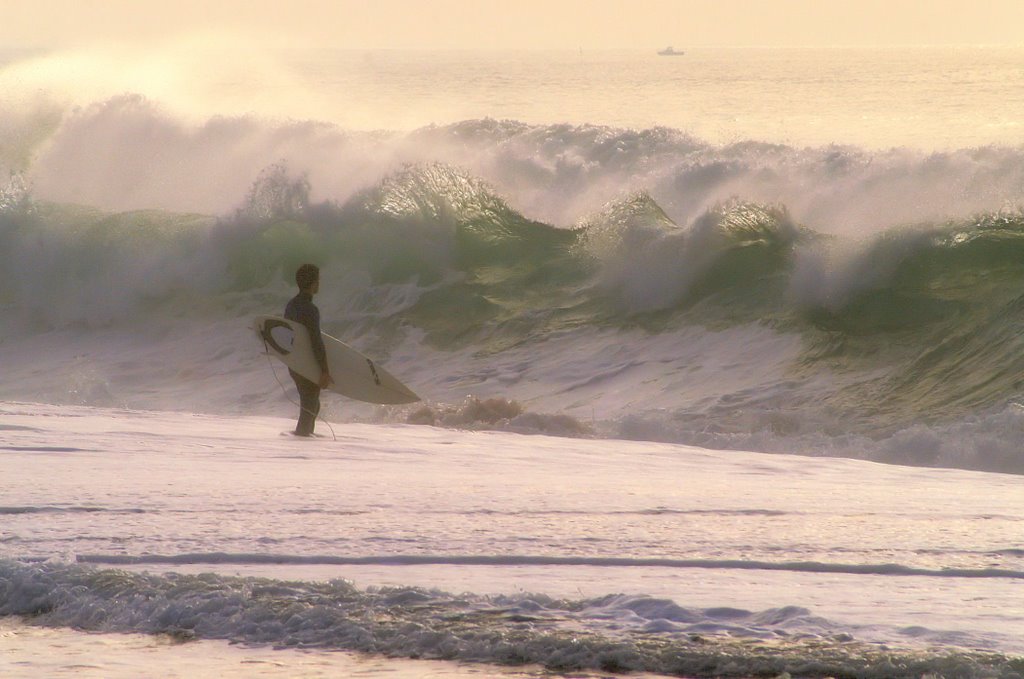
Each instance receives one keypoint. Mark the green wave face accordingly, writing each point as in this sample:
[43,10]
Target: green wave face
[918,324]
[941,311]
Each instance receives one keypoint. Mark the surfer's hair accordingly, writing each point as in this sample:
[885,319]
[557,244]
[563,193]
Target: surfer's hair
[306,275]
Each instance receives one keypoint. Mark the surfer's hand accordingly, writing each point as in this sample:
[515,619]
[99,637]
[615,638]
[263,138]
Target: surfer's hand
[326,380]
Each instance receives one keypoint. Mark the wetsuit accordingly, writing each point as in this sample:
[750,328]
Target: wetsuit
[302,310]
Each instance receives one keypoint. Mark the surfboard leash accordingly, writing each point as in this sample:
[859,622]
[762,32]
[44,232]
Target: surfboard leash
[285,392]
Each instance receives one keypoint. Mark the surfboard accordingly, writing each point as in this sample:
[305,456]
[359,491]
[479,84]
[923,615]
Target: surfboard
[355,375]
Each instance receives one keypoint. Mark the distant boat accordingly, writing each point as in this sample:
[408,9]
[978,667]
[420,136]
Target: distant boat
[670,52]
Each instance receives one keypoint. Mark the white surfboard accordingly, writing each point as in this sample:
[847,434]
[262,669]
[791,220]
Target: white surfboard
[355,375]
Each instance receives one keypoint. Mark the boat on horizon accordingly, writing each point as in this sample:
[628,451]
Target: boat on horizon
[671,52]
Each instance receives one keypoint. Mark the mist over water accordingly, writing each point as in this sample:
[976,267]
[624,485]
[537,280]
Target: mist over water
[780,250]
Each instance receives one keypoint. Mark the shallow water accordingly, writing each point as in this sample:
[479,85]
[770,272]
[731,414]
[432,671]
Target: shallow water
[29,651]
[479,537]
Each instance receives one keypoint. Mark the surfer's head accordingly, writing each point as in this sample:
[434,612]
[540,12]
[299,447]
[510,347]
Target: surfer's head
[307,277]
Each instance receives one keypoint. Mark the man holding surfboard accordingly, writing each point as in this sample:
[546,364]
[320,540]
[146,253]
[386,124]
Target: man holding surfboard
[313,357]
[301,309]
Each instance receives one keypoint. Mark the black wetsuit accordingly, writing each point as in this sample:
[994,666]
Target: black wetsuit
[302,310]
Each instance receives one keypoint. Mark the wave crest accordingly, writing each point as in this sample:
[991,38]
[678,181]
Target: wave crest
[648,263]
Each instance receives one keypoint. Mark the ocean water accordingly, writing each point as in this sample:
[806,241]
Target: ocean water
[668,315]
[576,555]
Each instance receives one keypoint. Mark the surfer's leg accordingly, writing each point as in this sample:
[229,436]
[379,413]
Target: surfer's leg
[312,407]
[309,405]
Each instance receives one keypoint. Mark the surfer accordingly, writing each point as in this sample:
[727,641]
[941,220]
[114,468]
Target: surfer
[302,310]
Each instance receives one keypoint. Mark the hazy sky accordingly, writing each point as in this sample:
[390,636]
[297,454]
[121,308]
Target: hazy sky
[443,24]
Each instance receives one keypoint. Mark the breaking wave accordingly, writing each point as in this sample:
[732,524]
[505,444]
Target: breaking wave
[632,283]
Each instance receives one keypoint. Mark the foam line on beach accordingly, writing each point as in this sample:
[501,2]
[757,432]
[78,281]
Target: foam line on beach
[619,633]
